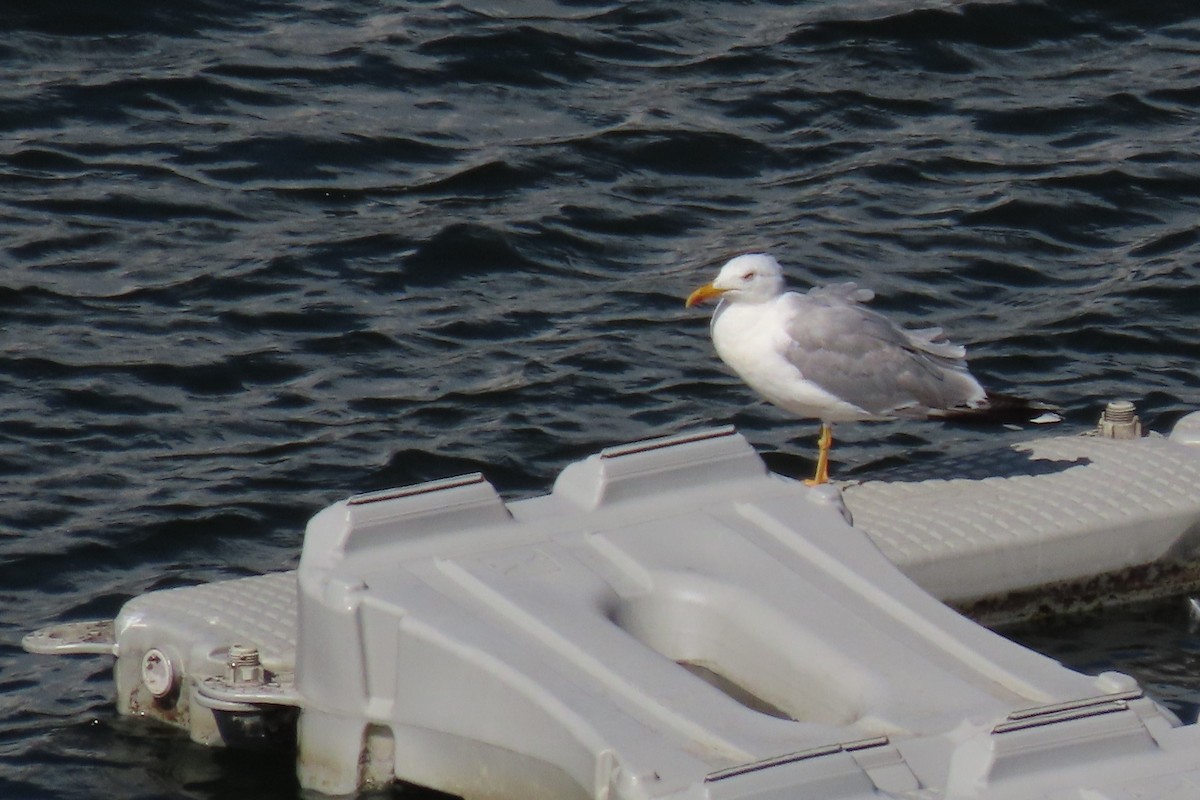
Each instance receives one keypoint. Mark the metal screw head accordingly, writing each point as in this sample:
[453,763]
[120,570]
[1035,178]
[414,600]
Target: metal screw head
[1120,421]
[244,666]
[1119,411]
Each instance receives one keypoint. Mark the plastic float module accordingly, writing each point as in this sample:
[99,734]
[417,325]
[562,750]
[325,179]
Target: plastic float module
[671,621]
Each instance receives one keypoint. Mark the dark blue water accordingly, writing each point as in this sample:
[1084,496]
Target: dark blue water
[258,256]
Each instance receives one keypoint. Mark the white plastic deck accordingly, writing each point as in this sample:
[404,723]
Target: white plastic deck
[1058,511]
[673,621]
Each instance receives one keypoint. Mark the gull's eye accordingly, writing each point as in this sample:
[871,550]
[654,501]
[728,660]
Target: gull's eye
[748,276]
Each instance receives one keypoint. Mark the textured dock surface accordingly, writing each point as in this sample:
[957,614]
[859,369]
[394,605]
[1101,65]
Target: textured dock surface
[1039,514]
[260,609]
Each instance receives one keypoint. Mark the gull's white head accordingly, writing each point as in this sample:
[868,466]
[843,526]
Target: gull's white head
[753,278]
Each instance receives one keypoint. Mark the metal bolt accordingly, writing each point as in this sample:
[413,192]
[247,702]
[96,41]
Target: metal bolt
[1120,421]
[244,666]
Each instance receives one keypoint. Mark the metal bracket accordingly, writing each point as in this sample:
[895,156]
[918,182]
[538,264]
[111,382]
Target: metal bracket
[88,638]
[219,693]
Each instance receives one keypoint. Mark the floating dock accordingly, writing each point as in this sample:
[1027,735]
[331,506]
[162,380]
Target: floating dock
[675,621]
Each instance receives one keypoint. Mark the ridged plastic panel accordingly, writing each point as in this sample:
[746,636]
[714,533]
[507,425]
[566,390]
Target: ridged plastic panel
[1056,487]
[260,610]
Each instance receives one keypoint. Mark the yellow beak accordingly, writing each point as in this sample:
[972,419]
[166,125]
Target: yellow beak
[703,294]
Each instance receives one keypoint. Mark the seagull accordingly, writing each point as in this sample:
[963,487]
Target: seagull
[823,355]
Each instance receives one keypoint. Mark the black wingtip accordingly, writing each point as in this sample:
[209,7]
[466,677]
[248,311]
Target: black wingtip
[1005,409]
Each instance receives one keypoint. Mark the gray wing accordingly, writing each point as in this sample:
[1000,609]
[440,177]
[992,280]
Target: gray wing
[866,359]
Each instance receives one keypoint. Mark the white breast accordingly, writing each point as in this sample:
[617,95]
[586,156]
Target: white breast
[752,340]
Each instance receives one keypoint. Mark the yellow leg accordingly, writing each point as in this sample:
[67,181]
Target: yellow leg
[824,443]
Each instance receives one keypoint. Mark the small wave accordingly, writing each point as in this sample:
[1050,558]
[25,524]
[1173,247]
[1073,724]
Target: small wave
[108,402]
[123,206]
[459,250]
[295,157]
[1071,223]
[409,466]
[1006,25]
[1121,110]
[490,179]
[78,18]
[667,151]
[543,54]
[1170,242]
[57,244]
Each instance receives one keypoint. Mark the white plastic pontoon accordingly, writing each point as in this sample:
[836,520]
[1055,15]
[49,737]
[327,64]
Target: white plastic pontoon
[675,621]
